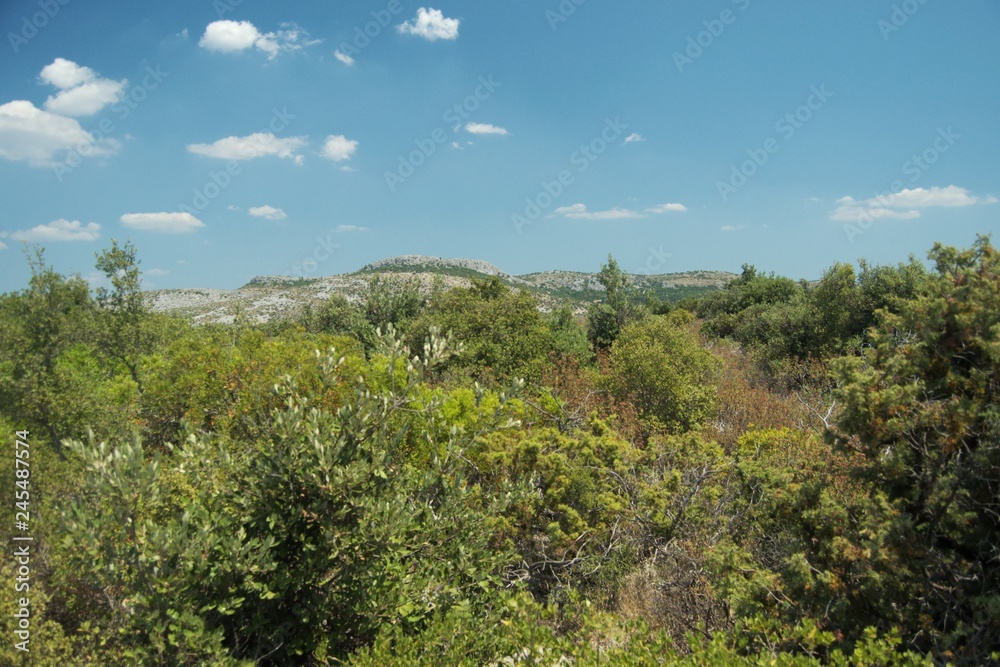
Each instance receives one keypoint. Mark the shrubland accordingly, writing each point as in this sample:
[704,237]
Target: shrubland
[778,473]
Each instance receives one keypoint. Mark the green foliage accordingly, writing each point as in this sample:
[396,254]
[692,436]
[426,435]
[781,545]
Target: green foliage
[670,503]
[618,308]
[921,406]
[222,381]
[385,302]
[780,320]
[569,339]
[38,326]
[325,527]
[392,302]
[659,365]
[124,332]
[503,334]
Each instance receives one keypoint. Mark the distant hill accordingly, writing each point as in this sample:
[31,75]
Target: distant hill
[267,298]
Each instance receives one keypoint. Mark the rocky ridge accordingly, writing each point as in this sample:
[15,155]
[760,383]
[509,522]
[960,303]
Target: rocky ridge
[269,298]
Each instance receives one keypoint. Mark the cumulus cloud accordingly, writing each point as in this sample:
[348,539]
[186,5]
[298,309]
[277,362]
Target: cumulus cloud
[156,273]
[60,230]
[732,228]
[484,128]
[268,212]
[351,228]
[31,134]
[81,91]
[165,223]
[667,208]
[65,74]
[343,57]
[234,36]
[431,25]
[260,144]
[634,138]
[906,204]
[36,136]
[339,148]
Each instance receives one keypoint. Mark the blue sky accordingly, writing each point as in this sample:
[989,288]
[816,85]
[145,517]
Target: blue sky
[233,138]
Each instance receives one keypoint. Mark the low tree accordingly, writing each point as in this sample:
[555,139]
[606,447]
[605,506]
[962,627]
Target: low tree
[659,365]
[503,333]
[39,326]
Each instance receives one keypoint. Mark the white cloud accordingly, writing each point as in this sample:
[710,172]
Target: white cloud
[28,133]
[3,246]
[851,210]
[431,25]
[60,230]
[580,212]
[86,99]
[732,228]
[81,91]
[260,144]
[351,228]
[156,273]
[338,148]
[634,138]
[667,208]
[484,128]
[906,204]
[232,207]
[343,57]
[166,223]
[235,36]
[267,212]
[950,196]
[229,36]
[65,74]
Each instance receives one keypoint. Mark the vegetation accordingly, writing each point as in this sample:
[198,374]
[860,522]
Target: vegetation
[774,473]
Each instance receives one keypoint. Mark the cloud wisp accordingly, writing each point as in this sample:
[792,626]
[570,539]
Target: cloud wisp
[581,212]
[162,223]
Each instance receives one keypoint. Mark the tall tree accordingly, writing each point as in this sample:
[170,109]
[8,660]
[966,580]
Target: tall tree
[606,319]
[124,314]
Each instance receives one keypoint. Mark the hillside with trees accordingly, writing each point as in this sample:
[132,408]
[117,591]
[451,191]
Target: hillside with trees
[769,472]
